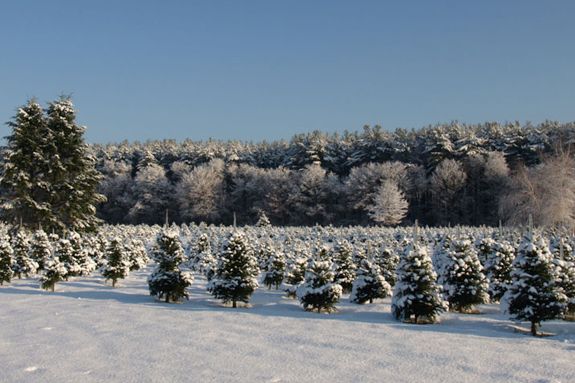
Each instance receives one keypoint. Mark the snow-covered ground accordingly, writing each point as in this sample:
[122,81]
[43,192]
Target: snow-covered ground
[88,332]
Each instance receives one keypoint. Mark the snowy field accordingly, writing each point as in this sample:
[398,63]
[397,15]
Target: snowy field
[88,332]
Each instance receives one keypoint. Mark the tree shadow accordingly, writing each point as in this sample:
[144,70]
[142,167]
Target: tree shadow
[274,303]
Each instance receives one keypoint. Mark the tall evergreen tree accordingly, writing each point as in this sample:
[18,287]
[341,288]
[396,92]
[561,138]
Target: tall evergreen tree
[72,175]
[26,192]
[48,173]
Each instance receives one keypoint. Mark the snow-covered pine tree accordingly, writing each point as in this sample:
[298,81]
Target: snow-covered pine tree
[498,267]
[168,281]
[318,291]
[23,264]
[344,266]
[72,255]
[464,283]
[64,251]
[6,260]
[117,265]
[369,283]
[137,254]
[40,249]
[202,259]
[274,271]
[295,275]
[416,294]
[235,278]
[533,295]
[54,272]
[564,270]
[263,220]
[387,260]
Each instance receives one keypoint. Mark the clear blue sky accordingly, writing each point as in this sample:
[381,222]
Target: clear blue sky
[254,70]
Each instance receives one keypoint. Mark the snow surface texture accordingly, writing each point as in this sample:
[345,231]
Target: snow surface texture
[89,332]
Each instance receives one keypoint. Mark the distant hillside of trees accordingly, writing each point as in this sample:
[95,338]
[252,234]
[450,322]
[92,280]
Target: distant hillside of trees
[448,174]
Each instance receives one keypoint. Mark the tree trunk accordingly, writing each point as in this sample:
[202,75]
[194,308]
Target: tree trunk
[234,305]
[113,283]
[534,328]
[167,298]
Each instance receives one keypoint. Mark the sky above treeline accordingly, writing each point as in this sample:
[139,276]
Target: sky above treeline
[265,70]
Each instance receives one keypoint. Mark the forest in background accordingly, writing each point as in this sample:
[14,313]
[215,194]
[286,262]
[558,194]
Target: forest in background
[446,174]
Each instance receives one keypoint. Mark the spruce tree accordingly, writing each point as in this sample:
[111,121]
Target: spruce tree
[168,281]
[498,267]
[387,260]
[64,251]
[295,275]
[235,278]
[54,272]
[6,260]
[416,294]
[274,270]
[344,266]
[137,254]
[564,270]
[533,295]
[117,265]
[369,283]
[23,265]
[464,283]
[40,248]
[318,291]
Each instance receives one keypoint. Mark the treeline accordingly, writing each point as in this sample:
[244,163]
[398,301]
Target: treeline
[447,174]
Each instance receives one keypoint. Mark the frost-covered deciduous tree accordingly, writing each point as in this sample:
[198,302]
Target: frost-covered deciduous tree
[389,204]
[546,192]
[200,194]
[151,193]
[447,180]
